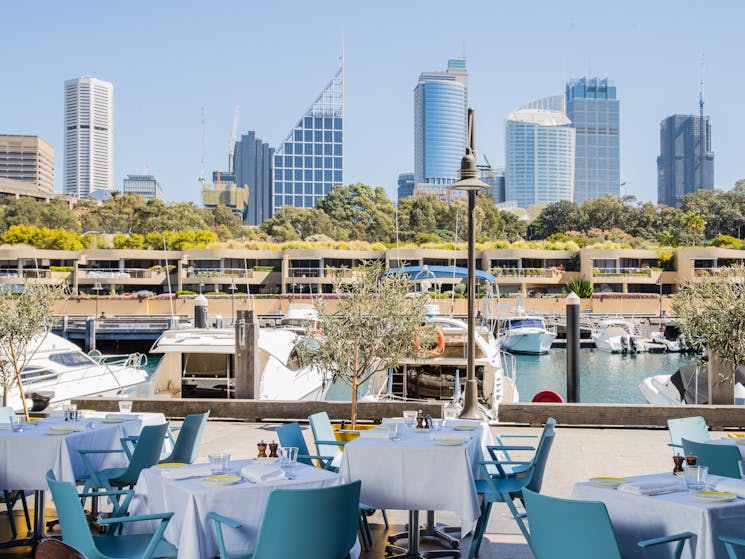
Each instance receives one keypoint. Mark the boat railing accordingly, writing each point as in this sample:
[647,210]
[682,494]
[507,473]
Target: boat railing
[509,364]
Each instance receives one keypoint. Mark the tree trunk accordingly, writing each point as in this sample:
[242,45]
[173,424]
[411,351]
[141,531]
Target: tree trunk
[5,396]
[721,381]
[355,384]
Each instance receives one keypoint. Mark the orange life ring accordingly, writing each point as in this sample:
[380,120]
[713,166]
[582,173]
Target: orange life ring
[437,350]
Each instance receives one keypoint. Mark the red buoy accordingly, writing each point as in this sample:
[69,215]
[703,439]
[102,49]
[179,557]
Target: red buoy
[548,396]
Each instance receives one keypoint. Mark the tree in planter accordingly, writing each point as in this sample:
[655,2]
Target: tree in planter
[373,329]
[23,319]
[711,313]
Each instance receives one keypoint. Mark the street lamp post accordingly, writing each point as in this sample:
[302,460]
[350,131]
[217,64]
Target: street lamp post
[470,183]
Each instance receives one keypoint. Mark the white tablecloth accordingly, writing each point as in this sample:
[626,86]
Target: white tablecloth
[640,517]
[416,473]
[191,500]
[26,456]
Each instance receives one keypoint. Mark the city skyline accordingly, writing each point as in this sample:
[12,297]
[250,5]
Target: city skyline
[159,97]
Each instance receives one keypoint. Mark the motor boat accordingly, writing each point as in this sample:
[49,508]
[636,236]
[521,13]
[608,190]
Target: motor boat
[617,335]
[670,338]
[56,371]
[687,385]
[200,363]
[526,334]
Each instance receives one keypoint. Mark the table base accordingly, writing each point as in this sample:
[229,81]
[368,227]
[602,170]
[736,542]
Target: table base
[413,534]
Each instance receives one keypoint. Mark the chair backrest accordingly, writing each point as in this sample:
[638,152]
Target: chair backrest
[691,428]
[721,459]
[146,453]
[321,523]
[74,525]
[320,424]
[292,435]
[567,529]
[6,413]
[55,549]
[541,455]
[186,447]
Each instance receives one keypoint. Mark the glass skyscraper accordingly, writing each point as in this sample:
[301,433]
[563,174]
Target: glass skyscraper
[440,124]
[252,162]
[593,108]
[310,160]
[405,185]
[539,146]
[686,161]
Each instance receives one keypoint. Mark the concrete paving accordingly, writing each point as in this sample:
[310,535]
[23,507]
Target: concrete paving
[577,455]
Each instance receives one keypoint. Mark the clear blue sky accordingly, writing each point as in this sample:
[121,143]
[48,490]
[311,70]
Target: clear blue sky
[169,58]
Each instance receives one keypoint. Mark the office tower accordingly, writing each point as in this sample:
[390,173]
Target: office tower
[310,160]
[29,159]
[252,163]
[146,186]
[405,185]
[440,124]
[593,108]
[539,146]
[494,177]
[686,161]
[89,136]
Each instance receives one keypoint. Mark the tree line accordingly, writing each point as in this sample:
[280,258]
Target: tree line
[360,212]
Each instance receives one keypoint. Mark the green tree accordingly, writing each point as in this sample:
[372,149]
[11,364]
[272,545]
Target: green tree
[55,214]
[557,218]
[291,224]
[117,214]
[360,212]
[696,224]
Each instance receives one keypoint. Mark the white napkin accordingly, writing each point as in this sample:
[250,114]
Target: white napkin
[186,472]
[731,485]
[4,426]
[450,436]
[652,487]
[121,416]
[69,425]
[258,472]
[465,422]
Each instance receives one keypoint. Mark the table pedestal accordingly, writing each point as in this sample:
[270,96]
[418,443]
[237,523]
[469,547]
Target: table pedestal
[34,537]
[413,534]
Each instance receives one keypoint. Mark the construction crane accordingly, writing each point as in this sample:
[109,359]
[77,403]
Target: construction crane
[201,169]
[231,147]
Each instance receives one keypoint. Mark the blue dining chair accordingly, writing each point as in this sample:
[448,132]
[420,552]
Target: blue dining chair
[505,480]
[568,529]
[11,496]
[719,458]
[291,434]
[186,445]
[316,523]
[691,428]
[76,531]
[146,454]
[730,543]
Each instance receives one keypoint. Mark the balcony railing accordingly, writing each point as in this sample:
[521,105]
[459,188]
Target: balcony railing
[526,272]
[628,272]
[119,273]
[320,272]
[232,273]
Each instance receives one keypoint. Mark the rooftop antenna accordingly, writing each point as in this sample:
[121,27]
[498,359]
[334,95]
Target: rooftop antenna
[201,165]
[233,135]
[702,128]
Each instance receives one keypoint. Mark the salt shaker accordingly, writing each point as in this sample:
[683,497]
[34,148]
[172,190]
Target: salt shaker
[678,459]
[691,460]
[262,449]
[273,450]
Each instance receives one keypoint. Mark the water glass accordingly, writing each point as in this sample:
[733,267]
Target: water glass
[219,462]
[288,459]
[696,477]
[393,433]
[741,465]
[125,406]
[410,418]
[436,424]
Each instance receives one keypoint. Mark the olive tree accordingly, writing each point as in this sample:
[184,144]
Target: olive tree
[372,329]
[711,314]
[24,318]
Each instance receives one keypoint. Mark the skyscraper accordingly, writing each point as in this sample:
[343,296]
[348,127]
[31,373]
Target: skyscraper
[89,136]
[440,127]
[686,161]
[29,159]
[593,108]
[405,185]
[146,186]
[310,160]
[252,162]
[539,146]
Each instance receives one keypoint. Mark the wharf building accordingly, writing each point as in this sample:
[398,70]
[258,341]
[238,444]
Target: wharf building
[306,272]
[29,160]
[592,107]
[686,161]
[146,186]
[89,137]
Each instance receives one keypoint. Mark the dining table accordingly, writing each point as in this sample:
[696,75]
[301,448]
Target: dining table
[52,443]
[188,492]
[424,470]
[636,517]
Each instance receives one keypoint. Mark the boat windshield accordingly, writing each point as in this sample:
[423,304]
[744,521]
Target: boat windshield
[31,375]
[524,323]
[72,359]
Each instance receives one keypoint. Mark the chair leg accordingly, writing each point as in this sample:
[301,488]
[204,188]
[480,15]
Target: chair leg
[517,516]
[478,533]
[361,521]
[9,506]
[24,504]
[385,519]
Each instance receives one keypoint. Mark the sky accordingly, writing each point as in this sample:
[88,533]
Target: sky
[168,59]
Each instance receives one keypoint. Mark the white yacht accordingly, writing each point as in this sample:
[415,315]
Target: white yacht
[200,363]
[617,335]
[526,334]
[687,385]
[670,339]
[57,370]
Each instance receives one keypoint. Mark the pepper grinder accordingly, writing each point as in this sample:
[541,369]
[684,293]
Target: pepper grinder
[691,460]
[678,459]
[273,450]
[262,449]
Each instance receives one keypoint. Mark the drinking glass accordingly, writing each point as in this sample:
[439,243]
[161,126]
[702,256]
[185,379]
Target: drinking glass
[393,434]
[219,462]
[741,465]
[410,418]
[125,406]
[288,459]
[696,477]
[436,424]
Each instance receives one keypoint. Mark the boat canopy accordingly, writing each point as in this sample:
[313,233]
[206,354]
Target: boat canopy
[439,272]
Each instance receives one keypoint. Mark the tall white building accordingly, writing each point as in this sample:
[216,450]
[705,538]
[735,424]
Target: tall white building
[89,136]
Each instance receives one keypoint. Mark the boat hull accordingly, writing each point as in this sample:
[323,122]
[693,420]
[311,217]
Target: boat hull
[534,343]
